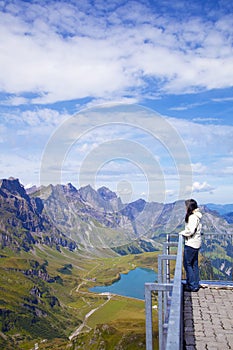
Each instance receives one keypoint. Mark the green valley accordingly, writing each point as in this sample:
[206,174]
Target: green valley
[45,299]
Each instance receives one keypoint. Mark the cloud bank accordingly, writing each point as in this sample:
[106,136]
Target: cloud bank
[53,51]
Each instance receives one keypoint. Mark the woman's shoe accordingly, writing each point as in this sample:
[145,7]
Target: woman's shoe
[188,289]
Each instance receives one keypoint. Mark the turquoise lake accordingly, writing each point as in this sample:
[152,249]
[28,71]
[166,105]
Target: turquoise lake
[130,284]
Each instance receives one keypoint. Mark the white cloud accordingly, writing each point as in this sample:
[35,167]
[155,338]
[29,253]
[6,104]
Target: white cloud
[43,117]
[64,51]
[228,170]
[226,165]
[115,51]
[27,168]
[186,106]
[207,142]
[145,159]
[202,187]
[208,120]
[170,193]
[199,168]
[223,99]
[14,101]
[36,118]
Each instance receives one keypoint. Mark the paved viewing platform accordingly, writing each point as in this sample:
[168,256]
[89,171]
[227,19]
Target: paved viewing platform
[208,318]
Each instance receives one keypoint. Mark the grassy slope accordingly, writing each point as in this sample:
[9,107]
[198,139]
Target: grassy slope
[27,319]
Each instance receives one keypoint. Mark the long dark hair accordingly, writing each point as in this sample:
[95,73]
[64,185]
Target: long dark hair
[191,205]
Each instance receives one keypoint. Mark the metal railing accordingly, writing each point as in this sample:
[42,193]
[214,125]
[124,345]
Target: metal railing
[215,265]
[170,301]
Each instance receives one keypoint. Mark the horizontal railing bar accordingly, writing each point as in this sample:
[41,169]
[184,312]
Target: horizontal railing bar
[166,257]
[169,244]
[153,287]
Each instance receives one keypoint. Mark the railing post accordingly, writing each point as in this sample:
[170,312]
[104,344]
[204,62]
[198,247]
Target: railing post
[160,301]
[168,262]
[149,324]
[175,335]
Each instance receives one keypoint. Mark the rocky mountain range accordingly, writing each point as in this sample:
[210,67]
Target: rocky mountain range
[88,219]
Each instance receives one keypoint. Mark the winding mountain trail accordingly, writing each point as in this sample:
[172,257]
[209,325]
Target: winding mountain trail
[84,324]
[81,284]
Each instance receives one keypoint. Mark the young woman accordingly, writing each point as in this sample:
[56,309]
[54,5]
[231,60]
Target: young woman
[192,234]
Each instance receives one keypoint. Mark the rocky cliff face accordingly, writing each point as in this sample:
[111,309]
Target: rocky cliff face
[14,199]
[22,221]
[87,216]
[102,200]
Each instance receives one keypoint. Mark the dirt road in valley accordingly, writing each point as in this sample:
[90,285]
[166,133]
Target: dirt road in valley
[84,324]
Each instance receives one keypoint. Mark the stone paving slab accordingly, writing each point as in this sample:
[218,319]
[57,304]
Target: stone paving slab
[208,319]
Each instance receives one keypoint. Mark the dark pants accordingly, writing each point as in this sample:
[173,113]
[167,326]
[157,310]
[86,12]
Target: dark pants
[191,267]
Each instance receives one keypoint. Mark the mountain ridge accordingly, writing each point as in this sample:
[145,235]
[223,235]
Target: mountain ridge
[86,218]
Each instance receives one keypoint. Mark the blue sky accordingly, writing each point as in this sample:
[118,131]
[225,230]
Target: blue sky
[134,95]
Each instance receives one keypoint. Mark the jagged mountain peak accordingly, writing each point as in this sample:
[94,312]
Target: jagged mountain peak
[85,190]
[71,188]
[102,199]
[106,193]
[31,189]
[13,186]
[11,183]
[139,203]
[53,190]
[133,209]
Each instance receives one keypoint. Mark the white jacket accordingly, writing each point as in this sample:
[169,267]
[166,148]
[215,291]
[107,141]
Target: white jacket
[192,231]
